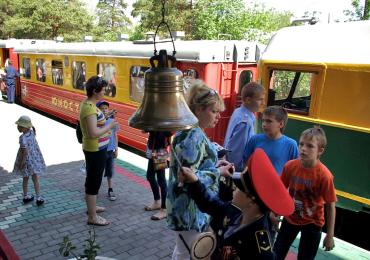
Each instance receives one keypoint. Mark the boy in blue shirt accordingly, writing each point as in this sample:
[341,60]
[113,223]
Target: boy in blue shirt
[241,124]
[278,147]
[112,150]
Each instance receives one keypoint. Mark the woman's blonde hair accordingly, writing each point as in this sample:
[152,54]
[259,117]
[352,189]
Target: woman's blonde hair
[200,95]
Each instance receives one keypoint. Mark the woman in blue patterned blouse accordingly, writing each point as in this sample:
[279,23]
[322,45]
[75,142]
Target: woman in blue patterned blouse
[196,151]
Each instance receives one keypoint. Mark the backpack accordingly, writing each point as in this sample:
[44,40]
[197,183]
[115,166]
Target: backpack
[79,132]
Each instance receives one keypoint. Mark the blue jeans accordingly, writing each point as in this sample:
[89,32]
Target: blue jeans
[109,165]
[156,183]
[10,92]
[308,244]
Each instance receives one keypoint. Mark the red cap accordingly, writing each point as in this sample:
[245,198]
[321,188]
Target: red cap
[268,185]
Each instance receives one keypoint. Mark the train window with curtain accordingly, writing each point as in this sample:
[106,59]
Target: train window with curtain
[108,72]
[26,68]
[78,74]
[57,72]
[291,89]
[40,70]
[246,76]
[188,76]
[137,84]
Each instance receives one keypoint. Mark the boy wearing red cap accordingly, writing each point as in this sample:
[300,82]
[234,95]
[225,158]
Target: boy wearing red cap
[242,226]
[311,186]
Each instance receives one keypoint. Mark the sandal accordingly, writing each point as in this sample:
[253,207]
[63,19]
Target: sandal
[160,215]
[151,208]
[97,210]
[99,222]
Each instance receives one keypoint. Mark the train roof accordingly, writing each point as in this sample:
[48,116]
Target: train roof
[198,51]
[347,43]
[11,43]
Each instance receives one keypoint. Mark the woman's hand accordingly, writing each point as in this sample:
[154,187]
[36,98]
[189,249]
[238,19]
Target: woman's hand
[221,163]
[186,175]
[226,168]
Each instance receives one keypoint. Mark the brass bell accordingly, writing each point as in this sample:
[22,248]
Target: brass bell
[163,107]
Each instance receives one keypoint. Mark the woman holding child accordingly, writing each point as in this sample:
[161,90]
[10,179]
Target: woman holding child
[194,150]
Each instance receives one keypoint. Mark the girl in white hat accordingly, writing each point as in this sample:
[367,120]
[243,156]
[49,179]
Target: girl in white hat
[29,161]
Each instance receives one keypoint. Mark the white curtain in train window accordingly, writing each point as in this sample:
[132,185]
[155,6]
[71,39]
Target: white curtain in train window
[78,74]
[26,68]
[137,83]
[108,72]
[40,70]
[57,72]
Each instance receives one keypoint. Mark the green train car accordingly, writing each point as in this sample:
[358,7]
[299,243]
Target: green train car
[321,75]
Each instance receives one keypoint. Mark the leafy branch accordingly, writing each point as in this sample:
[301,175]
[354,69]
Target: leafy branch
[91,247]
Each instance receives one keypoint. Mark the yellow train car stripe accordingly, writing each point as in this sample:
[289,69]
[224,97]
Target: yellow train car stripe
[353,197]
[329,123]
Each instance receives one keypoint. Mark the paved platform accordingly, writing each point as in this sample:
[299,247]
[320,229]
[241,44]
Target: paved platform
[36,232]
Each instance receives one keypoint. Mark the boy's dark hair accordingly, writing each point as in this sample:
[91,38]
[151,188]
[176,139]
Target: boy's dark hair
[250,89]
[279,113]
[316,132]
[95,84]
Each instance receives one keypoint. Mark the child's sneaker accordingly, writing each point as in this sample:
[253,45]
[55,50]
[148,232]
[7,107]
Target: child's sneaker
[83,167]
[27,198]
[39,201]
[111,196]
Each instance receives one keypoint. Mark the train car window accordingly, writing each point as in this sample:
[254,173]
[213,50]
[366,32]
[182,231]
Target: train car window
[78,74]
[189,75]
[291,89]
[40,70]
[57,72]
[246,76]
[137,83]
[26,68]
[108,72]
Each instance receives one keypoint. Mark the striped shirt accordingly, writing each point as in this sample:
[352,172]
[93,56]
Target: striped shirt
[92,144]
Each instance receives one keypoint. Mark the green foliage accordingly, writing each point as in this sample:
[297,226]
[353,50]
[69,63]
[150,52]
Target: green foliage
[210,19]
[214,17]
[111,20]
[46,19]
[137,34]
[283,81]
[66,248]
[260,23]
[360,12]
[177,15]
[7,10]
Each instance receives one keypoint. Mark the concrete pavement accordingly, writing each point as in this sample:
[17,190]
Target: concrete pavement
[36,232]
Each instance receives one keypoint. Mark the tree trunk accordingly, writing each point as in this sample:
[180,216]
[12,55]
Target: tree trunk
[366,14]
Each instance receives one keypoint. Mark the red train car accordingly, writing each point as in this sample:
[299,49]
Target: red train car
[53,75]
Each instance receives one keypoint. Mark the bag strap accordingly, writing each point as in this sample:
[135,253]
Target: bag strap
[153,140]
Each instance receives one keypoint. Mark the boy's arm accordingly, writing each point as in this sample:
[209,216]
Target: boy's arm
[237,142]
[328,243]
[248,150]
[115,153]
